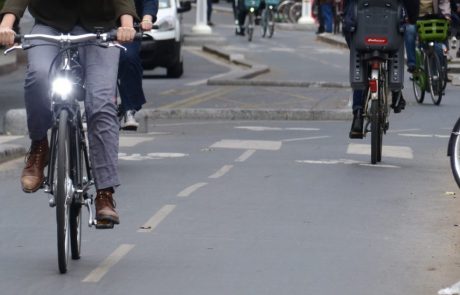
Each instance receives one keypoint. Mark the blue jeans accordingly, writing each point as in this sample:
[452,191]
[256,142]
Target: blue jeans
[130,78]
[409,40]
[327,15]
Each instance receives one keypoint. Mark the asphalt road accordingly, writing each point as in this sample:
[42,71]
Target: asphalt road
[255,208]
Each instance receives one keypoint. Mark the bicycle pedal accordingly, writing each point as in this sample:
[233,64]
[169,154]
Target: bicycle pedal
[103,224]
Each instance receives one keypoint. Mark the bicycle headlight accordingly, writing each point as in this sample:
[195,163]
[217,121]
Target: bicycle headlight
[61,87]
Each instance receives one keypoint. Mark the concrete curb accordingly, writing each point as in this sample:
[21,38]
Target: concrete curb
[276,83]
[332,40]
[11,151]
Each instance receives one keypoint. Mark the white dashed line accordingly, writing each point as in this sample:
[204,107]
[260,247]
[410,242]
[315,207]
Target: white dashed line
[401,152]
[188,191]
[222,171]
[245,156]
[97,274]
[248,144]
[305,138]
[156,219]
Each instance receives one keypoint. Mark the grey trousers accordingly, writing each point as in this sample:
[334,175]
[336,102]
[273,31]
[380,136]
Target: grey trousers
[101,67]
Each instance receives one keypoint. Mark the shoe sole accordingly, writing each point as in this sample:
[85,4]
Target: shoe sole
[33,190]
[129,128]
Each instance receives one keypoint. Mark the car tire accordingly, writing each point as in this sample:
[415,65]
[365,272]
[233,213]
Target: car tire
[176,70]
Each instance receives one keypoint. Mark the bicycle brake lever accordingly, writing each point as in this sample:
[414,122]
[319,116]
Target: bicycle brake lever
[118,46]
[12,48]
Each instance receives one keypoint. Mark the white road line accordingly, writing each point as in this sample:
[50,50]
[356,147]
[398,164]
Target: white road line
[452,290]
[156,219]
[97,274]
[188,191]
[221,172]
[346,162]
[304,138]
[402,130]
[7,138]
[416,135]
[245,156]
[248,144]
[401,152]
[130,141]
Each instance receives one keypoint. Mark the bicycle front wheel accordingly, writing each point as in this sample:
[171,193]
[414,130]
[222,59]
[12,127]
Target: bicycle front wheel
[250,26]
[435,78]
[62,191]
[454,152]
[376,132]
[271,23]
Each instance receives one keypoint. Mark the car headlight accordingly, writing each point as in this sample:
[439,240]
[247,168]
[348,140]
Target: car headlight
[62,87]
[165,24]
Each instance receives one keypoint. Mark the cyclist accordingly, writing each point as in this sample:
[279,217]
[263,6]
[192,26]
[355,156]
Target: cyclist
[427,7]
[130,69]
[101,65]
[398,102]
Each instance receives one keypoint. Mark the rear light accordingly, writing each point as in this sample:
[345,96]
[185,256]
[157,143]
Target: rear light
[373,85]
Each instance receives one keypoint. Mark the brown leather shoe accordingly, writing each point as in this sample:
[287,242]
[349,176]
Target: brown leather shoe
[36,161]
[105,208]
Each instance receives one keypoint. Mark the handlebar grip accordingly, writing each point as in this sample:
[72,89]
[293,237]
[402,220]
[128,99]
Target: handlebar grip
[112,36]
[17,38]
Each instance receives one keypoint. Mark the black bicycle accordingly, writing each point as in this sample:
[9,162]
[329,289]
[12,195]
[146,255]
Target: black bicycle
[69,176]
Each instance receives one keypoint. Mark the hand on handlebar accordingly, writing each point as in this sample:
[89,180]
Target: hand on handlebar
[125,34]
[7,36]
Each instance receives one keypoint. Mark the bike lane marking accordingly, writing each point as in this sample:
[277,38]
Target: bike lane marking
[248,144]
[402,152]
[452,290]
[98,273]
[222,171]
[244,156]
[156,219]
[191,189]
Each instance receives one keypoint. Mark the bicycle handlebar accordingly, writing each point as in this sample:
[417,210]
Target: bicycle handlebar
[70,39]
[67,38]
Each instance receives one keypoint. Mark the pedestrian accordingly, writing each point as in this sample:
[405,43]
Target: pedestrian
[130,69]
[100,65]
[209,12]
[327,15]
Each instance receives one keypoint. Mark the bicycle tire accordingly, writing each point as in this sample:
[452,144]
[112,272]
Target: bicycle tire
[264,23]
[62,201]
[250,26]
[445,77]
[271,23]
[75,223]
[435,78]
[376,132]
[454,152]
[295,12]
[419,85]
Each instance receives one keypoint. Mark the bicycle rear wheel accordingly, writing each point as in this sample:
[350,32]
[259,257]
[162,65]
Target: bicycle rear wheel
[376,132]
[435,78]
[454,152]
[62,191]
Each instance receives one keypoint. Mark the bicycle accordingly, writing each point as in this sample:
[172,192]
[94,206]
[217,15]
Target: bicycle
[431,68]
[376,61]
[453,151]
[251,6]
[267,21]
[69,176]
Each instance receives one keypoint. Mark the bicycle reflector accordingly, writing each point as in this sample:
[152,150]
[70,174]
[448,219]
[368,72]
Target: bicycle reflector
[373,85]
[61,87]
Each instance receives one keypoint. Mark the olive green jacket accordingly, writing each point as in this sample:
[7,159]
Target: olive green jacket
[65,14]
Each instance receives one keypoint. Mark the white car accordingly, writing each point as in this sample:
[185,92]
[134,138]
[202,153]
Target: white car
[161,47]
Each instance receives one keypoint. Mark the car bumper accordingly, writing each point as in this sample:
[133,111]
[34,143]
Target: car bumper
[159,53]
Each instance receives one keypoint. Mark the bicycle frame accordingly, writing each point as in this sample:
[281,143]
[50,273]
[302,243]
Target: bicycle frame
[67,72]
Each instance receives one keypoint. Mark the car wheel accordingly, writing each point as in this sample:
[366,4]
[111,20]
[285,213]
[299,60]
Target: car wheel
[176,70]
